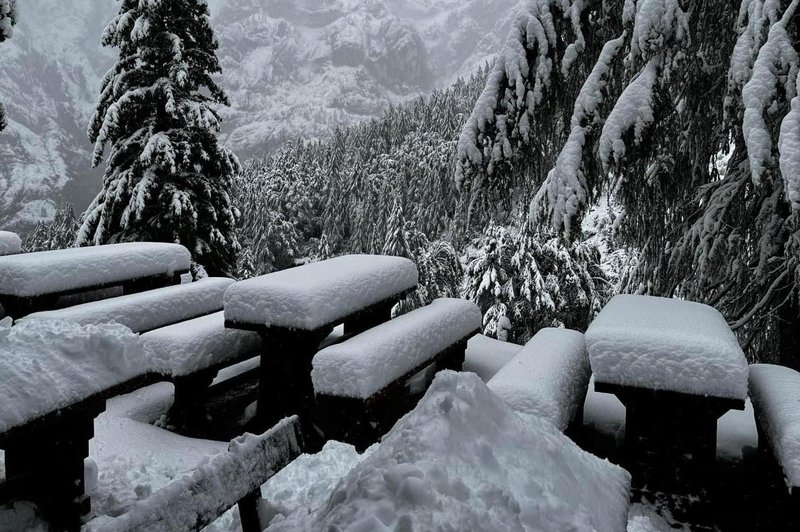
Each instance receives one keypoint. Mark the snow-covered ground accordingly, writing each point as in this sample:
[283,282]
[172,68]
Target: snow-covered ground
[130,458]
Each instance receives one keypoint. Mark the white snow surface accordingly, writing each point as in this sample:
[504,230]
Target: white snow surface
[789,147]
[43,272]
[548,378]
[48,365]
[317,294]
[485,356]
[366,363]
[197,344]
[150,309]
[666,344]
[775,391]
[463,460]
[10,243]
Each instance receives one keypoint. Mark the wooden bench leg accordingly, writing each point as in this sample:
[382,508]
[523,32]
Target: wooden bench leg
[47,465]
[188,410]
[248,512]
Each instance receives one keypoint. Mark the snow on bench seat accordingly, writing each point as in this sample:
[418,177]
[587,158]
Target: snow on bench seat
[311,296]
[485,356]
[363,365]
[775,392]
[48,365]
[194,501]
[148,310]
[666,344]
[48,272]
[198,344]
[10,243]
[548,378]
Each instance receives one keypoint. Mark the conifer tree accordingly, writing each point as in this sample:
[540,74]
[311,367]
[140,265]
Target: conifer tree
[8,18]
[395,242]
[167,178]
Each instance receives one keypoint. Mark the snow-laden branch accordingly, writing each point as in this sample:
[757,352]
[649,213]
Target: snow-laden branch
[789,149]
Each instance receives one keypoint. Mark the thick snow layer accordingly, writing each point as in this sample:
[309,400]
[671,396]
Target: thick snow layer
[199,343]
[44,272]
[366,363]
[775,391]
[463,460]
[49,364]
[148,310]
[10,243]
[215,486]
[789,147]
[666,344]
[548,377]
[485,356]
[313,295]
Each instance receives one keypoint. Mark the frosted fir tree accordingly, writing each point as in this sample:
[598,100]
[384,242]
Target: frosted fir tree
[395,242]
[167,178]
[687,115]
[8,18]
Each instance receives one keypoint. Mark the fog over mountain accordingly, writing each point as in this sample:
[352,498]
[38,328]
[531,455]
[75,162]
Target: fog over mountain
[291,67]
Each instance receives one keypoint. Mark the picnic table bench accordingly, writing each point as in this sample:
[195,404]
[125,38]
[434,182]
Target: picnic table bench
[371,379]
[10,243]
[31,282]
[775,392]
[677,367]
[294,310]
[547,378]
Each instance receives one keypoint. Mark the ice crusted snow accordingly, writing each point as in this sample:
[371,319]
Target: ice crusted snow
[366,363]
[51,364]
[43,272]
[148,310]
[485,356]
[775,391]
[666,344]
[214,487]
[548,378]
[10,243]
[317,294]
[199,343]
[463,460]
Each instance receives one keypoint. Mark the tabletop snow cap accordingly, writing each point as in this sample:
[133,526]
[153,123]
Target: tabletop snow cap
[52,364]
[463,460]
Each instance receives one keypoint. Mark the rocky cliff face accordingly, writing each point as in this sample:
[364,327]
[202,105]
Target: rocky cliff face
[292,67]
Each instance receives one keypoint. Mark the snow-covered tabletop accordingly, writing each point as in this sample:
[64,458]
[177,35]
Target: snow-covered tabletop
[666,344]
[144,311]
[775,391]
[320,293]
[10,243]
[366,363]
[47,272]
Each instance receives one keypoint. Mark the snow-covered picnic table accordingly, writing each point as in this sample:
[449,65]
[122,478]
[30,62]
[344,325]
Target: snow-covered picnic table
[31,282]
[294,310]
[677,367]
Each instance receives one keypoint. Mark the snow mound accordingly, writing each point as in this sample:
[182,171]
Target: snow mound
[463,460]
[310,296]
[10,243]
[775,391]
[666,344]
[548,377]
[51,364]
[368,362]
[32,274]
[485,356]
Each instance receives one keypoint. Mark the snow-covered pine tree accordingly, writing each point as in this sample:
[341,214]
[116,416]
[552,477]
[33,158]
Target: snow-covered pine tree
[8,17]
[58,233]
[686,113]
[167,178]
[395,242]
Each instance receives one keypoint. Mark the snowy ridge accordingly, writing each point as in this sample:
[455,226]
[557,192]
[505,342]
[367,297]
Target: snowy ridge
[666,344]
[548,378]
[147,310]
[775,392]
[50,364]
[31,274]
[463,460]
[368,362]
[319,293]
